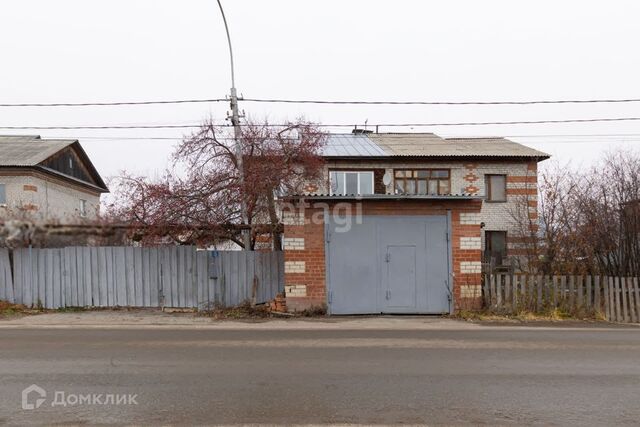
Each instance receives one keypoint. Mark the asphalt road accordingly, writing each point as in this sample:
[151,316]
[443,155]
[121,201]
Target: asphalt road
[506,376]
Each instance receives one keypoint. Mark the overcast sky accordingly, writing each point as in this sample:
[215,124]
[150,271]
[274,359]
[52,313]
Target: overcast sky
[118,50]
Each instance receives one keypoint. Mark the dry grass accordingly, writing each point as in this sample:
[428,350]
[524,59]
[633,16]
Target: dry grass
[550,315]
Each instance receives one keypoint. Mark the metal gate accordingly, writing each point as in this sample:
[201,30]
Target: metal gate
[388,264]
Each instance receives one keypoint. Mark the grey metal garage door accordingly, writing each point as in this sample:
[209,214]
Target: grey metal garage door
[388,264]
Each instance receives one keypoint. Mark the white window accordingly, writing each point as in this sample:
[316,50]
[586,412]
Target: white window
[3,194]
[351,182]
[83,208]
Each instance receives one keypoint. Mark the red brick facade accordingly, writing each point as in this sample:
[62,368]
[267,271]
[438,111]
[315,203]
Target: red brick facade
[306,285]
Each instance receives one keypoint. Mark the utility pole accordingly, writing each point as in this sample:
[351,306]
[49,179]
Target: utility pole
[237,134]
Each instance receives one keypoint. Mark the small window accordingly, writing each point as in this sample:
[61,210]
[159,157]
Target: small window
[496,188]
[70,162]
[422,181]
[495,247]
[83,208]
[3,194]
[351,182]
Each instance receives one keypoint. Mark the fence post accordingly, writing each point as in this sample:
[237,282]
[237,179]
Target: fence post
[596,295]
[607,297]
[617,296]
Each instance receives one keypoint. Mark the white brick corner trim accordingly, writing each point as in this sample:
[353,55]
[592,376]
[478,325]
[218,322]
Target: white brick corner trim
[294,267]
[470,291]
[470,243]
[470,218]
[292,218]
[293,244]
[295,290]
[469,267]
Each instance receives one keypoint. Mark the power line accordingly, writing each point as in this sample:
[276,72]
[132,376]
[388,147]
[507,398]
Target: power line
[318,101]
[351,102]
[186,126]
[118,103]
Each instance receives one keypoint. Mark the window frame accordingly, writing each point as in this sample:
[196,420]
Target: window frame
[426,179]
[356,171]
[82,209]
[487,190]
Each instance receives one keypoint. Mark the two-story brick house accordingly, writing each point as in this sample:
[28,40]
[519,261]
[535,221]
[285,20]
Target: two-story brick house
[400,223]
[48,180]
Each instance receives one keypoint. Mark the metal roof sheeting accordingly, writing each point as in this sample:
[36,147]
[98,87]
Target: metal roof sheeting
[29,150]
[424,145]
[348,145]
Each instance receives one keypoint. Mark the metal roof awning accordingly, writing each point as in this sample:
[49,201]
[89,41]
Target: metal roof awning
[363,197]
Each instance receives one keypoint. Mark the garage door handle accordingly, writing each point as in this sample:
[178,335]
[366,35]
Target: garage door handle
[388,294]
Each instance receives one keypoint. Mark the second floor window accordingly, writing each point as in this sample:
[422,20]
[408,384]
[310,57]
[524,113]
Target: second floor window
[83,208]
[423,181]
[3,194]
[351,182]
[496,188]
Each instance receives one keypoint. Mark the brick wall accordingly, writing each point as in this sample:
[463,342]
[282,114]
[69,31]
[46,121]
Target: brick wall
[305,283]
[47,198]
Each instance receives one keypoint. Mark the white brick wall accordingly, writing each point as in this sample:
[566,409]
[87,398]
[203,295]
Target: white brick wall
[470,291]
[293,243]
[470,243]
[54,201]
[470,267]
[295,290]
[294,267]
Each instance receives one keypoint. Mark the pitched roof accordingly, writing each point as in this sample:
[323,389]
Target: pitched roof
[31,151]
[424,145]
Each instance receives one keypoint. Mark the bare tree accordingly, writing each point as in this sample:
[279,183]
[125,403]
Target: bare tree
[203,205]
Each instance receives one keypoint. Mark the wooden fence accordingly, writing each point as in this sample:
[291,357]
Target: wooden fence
[615,298]
[140,277]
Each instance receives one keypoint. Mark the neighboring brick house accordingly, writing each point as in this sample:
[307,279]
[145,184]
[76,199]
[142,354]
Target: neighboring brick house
[400,223]
[50,180]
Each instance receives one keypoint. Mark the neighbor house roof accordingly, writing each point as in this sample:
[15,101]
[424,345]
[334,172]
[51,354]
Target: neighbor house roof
[423,145]
[31,151]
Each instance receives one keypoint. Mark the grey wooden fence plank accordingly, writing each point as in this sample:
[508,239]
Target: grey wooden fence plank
[596,294]
[101,277]
[624,292]
[607,297]
[201,280]
[633,317]
[88,277]
[636,290]
[493,290]
[57,280]
[572,292]
[138,285]
[25,274]
[130,277]
[214,277]
[154,278]
[3,277]
[47,256]
[485,290]
[539,286]
[617,299]
[78,274]
[589,292]
[192,295]
[120,276]
[580,292]
[144,274]
[173,260]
